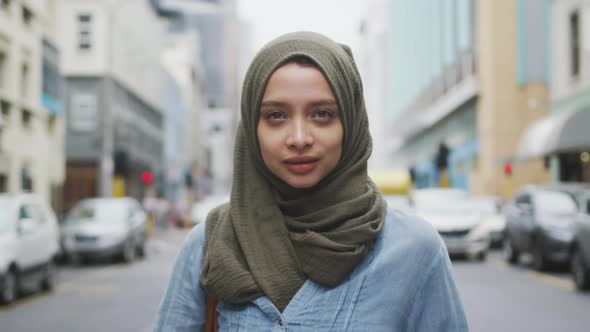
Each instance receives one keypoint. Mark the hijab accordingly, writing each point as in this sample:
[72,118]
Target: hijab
[270,238]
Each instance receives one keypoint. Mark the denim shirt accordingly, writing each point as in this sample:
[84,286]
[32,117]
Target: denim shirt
[404,284]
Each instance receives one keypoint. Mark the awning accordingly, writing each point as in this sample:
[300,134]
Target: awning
[564,132]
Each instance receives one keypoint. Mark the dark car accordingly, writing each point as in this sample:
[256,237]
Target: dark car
[540,221]
[580,260]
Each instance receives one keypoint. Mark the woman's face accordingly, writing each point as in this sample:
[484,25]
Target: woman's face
[299,127]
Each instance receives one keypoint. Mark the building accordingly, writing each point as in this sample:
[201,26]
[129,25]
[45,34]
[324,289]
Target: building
[372,62]
[31,125]
[562,135]
[218,26]
[466,78]
[185,107]
[113,94]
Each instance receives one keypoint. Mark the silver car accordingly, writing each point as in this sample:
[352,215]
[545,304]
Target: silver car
[456,218]
[105,227]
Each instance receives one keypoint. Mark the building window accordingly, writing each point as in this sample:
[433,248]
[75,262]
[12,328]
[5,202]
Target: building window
[574,25]
[3,69]
[83,112]
[5,108]
[5,5]
[26,180]
[3,183]
[27,119]
[51,123]
[84,32]
[27,16]
[24,88]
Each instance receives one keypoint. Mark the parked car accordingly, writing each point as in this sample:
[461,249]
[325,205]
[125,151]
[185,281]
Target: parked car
[580,259]
[492,210]
[540,221]
[105,227]
[29,243]
[200,209]
[399,202]
[456,218]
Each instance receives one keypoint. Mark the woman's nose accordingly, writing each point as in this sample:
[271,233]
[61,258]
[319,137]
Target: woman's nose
[300,137]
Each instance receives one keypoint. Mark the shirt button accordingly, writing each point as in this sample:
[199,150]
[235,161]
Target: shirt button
[281,323]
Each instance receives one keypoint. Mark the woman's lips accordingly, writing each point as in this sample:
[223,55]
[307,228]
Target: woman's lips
[301,165]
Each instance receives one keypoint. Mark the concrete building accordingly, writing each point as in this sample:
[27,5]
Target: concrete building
[562,135]
[470,75]
[372,63]
[113,96]
[184,147]
[216,24]
[31,125]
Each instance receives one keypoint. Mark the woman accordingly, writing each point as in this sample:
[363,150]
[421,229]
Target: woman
[306,242]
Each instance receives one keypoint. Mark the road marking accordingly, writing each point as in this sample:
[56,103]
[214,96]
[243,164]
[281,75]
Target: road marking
[563,283]
[25,299]
[556,281]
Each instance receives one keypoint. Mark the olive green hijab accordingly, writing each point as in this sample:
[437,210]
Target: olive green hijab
[271,237]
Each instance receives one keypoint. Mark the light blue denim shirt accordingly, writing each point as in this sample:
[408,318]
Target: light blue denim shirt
[404,284]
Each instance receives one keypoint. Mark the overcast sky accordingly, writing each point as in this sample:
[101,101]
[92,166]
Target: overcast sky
[338,19]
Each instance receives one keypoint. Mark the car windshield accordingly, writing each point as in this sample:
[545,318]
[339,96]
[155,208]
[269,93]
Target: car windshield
[487,206]
[104,211]
[554,202]
[439,203]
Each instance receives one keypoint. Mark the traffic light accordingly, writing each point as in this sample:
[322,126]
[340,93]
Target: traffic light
[147,177]
[507,168]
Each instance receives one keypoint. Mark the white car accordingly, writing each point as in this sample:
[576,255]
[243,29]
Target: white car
[492,210]
[201,209]
[105,227]
[29,244]
[457,220]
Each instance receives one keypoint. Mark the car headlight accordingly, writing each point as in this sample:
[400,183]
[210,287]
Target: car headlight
[482,230]
[558,232]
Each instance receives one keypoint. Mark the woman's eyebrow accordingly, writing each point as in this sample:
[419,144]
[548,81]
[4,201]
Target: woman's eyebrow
[272,103]
[324,102]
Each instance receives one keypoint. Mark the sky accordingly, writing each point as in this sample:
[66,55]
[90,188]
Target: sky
[338,19]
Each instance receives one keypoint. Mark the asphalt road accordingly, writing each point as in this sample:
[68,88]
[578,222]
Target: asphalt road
[119,297]
[100,296]
[502,297]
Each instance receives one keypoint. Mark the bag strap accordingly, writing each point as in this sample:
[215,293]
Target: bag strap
[211,318]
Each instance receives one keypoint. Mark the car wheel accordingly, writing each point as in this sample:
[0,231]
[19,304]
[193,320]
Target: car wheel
[8,294]
[49,276]
[510,253]
[141,249]
[539,261]
[128,253]
[75,259]
[482,255]
[580,271]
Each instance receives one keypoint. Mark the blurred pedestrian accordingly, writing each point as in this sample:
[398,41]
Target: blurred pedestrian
[306,241]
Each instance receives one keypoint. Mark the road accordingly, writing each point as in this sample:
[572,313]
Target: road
[119,297]
[502,297]
[100,296]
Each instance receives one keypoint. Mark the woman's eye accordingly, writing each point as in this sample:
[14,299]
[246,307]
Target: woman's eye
[275,115]
[323,114]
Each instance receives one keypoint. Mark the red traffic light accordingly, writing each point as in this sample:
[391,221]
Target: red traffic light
[147,177]
[507,168]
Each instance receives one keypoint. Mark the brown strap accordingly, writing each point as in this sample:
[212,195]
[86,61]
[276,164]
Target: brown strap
[211,320]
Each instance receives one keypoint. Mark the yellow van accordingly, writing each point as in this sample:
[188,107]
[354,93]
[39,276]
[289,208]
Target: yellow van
[396,187]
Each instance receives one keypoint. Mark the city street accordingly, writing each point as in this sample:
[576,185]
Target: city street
[500,297]
[100,296]
[104,297]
